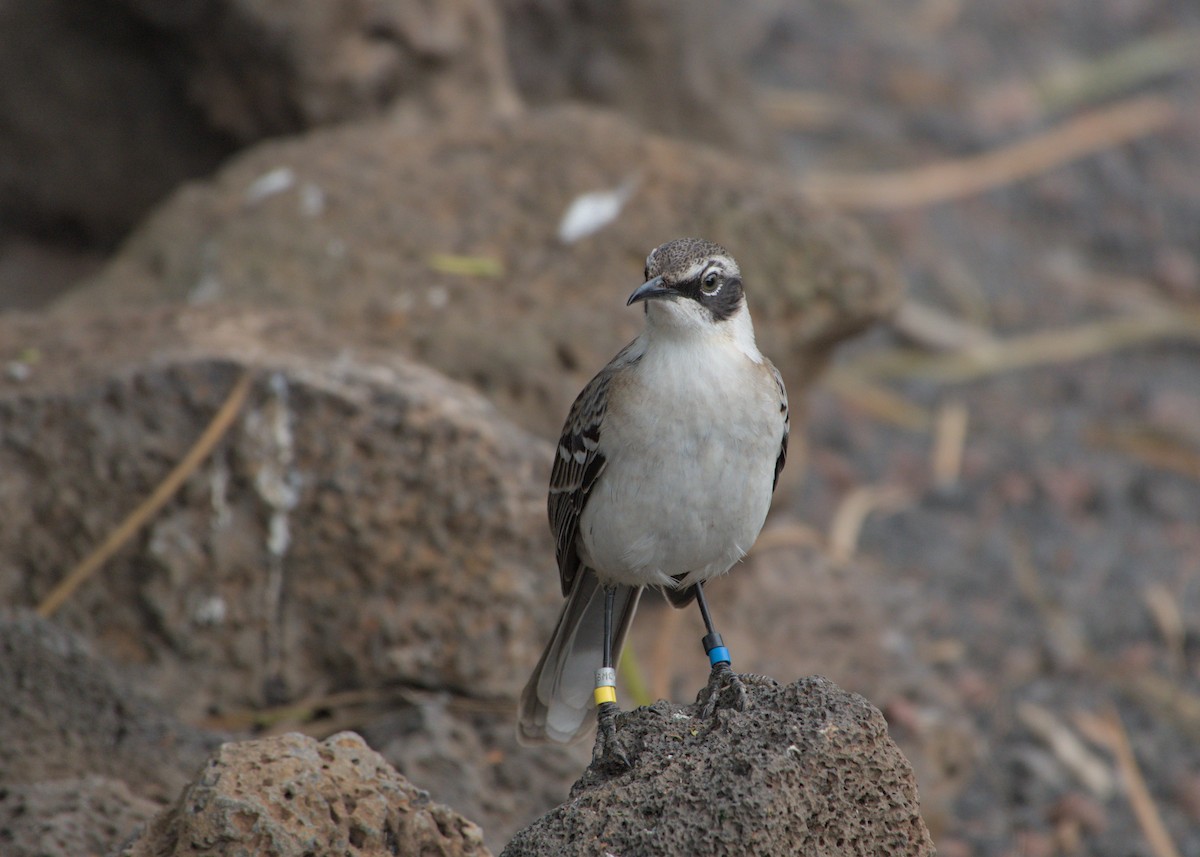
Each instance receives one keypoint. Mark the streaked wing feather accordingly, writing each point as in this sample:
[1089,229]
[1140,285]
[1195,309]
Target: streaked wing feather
[787,425]
[578,463]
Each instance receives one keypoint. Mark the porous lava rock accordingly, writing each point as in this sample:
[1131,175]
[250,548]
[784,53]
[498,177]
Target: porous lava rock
[292,796]
[807,768]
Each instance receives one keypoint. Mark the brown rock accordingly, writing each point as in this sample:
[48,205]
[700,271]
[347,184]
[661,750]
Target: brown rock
[807,769]
[65,712]
[318,62]
[366,525]
[292,796]
[109,105]
[73,163]
[676,68]
[87,815]
[362,523]
[444,246]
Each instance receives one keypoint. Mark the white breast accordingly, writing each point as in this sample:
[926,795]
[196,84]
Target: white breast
[691,438]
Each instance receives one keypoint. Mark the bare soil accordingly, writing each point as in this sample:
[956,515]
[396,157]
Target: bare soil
[1060,572]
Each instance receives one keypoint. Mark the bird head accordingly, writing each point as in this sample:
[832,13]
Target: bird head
[690,283]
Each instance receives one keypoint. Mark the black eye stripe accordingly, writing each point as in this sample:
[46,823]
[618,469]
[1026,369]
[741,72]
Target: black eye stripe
[685,265]
[722,302]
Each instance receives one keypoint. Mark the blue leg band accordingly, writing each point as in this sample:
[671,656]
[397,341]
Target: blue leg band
[719,654]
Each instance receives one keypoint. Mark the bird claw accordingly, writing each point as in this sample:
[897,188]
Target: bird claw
[607,753]
[723,678]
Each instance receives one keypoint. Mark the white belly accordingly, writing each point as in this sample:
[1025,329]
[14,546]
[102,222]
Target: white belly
[686,491]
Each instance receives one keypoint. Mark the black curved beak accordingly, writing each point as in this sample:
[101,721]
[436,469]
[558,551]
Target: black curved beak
[649,290]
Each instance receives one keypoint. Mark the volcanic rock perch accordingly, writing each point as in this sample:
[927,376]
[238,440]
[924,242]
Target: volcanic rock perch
[807,769]
[291,796]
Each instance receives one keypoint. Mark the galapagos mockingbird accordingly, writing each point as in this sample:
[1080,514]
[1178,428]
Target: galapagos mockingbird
[663,478]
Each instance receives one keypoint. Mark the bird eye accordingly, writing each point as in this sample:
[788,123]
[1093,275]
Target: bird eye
[711,283]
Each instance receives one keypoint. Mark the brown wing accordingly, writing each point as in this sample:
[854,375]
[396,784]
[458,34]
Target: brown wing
[787,425]
[578,463]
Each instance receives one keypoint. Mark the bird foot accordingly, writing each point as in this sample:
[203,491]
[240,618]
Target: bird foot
[607,753]
[722,679]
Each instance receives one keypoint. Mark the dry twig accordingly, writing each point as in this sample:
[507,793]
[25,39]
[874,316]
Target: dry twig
[876,401]
[1083,135]
[796,110]
[1162,696]
[1034,349]
[150,506]
[852,514]
[1163,606]
[1108,731]
[935,330]
[949,441]
[1152,448]
[792,534]
[1119,71]
[1083,764]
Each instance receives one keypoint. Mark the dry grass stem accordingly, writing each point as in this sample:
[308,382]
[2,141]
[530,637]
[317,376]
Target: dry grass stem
[151,505]
[1063,633]
[1164,610]
[852,514]
[1118,71]
[790,535]
[1151,447]
[466,266]
[935,330]
[1109,731]
[1034,349]
[322,715]
[1162,696]
[949,442]
[1083,135]
[244,719]
[795,110]
[1029,582]
[1084,765]
[875,401]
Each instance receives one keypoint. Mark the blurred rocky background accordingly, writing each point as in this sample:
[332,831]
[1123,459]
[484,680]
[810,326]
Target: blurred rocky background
[294,297]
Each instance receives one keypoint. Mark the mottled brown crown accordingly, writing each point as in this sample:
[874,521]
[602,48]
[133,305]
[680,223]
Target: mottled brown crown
[674,259]
[685,264]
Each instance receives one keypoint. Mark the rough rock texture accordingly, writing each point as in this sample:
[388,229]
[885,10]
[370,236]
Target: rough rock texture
[109,104]
[807,769]
[84,756]
[678,68]
[444,246]
[361,523]
[365,526]
[205,76]
[263,69]
[64,711]
[291,796]
[76,816]
[96,126]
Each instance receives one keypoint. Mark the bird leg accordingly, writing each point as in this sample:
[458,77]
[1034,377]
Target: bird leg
[607,752]
[722,675]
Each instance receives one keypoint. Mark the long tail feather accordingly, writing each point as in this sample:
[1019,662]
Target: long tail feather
[557,701]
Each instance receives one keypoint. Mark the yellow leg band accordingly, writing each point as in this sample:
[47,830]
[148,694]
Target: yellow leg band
[604,694]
